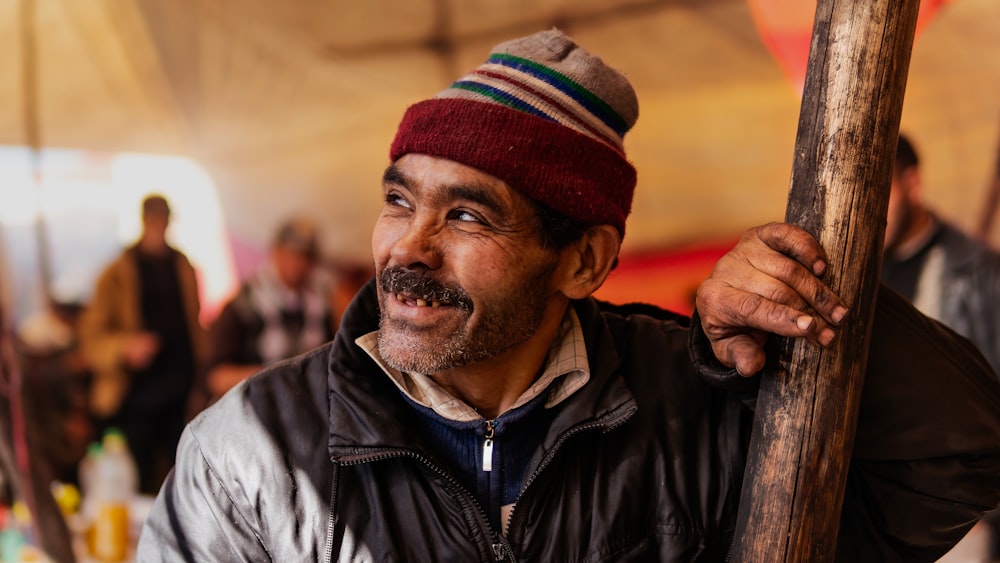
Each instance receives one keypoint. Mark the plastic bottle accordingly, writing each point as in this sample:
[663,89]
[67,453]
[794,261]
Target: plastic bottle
[86,467]
[113,485]
[80,524]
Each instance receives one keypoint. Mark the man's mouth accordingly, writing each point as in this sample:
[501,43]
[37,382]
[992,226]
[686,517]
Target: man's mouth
[416,289]
[417,302]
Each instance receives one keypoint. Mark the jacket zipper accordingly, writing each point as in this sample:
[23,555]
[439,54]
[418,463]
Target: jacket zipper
[331,523]
[558,445]
[500,546]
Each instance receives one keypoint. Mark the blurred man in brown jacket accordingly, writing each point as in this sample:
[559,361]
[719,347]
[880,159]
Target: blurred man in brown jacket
[142,340]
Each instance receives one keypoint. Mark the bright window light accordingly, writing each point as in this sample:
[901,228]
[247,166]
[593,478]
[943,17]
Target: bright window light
[89,205]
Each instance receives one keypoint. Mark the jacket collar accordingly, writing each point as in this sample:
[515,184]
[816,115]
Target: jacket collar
[369,415]
[961,251]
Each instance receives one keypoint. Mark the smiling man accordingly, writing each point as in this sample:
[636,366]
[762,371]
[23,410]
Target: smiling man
[477,404]
[463,271]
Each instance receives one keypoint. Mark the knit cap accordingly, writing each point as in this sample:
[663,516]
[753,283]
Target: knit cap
[543,115]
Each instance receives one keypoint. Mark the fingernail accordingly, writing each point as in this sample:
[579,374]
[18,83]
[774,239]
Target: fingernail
[818,267]
[826,337]
[804,322]
[838,314]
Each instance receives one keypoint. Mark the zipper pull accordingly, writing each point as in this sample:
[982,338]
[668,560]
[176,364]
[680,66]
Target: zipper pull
[488,447]
[498,552]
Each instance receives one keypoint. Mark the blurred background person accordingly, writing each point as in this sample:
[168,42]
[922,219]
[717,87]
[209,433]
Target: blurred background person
[141,338]
[284,309]
[947,274]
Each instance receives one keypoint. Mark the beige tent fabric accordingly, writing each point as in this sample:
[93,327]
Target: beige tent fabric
[291,105]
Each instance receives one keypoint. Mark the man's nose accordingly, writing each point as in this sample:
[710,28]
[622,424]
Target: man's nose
[419,246]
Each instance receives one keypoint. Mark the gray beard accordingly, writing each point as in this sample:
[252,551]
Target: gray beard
[504,324]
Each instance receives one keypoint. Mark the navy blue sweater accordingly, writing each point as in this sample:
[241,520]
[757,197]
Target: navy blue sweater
[460,447]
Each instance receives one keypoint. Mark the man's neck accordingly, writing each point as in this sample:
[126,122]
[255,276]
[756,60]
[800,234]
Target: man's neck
[921,232]
[153,246]
[492,386]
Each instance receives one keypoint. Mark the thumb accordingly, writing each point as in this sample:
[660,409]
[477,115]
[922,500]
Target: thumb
[745,352]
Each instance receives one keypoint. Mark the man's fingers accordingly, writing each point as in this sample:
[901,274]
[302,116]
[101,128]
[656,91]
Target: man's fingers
[759,281]
[799,287]
[794,242]
[727,309]
[776,243]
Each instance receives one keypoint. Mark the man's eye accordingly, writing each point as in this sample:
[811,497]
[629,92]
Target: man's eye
[393,198]
[466,216]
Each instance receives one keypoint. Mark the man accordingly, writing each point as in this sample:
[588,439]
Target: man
[478,405]
[948,275]
[280,312]
[141,338]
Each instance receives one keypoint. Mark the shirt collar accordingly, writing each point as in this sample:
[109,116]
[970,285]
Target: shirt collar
[567,369]
[918,243]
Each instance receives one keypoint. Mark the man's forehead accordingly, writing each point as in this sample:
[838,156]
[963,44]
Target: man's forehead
[411,167]
[419,173]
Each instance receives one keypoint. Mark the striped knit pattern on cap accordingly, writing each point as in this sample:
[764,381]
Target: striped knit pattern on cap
[524,85]
[545,116]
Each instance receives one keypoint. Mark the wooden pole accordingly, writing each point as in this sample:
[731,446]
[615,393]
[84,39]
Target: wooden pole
[807,408]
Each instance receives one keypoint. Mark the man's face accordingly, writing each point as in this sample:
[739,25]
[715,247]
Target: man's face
[462,276]
[900,212]
[155,225]
[293,266]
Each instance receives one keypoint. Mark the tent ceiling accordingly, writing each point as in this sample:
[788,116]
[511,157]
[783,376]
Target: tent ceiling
[291,105]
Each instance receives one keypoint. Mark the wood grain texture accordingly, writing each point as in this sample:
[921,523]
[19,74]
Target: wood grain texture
[844,151]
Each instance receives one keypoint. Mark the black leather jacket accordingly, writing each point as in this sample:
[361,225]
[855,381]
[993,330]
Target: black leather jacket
[313,459]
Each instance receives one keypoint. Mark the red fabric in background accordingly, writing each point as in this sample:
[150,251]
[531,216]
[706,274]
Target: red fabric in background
[668,278]
[785,27]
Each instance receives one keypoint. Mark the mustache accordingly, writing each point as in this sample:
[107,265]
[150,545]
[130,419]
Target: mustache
[418,284]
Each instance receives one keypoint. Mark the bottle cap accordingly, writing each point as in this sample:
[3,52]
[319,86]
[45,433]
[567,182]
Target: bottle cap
[114,439]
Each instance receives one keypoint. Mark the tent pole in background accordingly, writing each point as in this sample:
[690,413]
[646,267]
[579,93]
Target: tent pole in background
[807,408]
[32,136]
[47,522]
[992,201]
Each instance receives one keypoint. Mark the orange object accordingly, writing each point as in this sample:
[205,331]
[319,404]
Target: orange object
[108,538]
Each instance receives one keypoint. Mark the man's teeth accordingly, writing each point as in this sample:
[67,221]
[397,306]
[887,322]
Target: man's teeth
[419,302]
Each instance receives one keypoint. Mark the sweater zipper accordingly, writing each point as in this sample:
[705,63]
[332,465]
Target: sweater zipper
[558,445]
[488,446]
[500,546]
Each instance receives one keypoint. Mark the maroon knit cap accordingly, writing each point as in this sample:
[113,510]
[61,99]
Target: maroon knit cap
[543,115]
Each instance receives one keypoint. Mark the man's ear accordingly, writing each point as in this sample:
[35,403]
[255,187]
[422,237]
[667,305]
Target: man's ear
[589,260]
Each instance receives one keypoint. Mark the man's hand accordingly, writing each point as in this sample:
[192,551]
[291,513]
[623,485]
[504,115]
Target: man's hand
[139,350]
[767,284]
